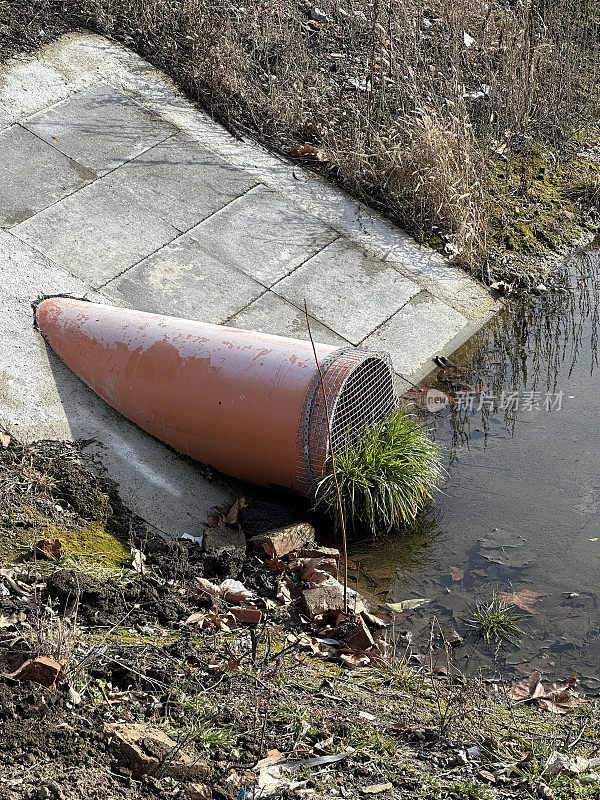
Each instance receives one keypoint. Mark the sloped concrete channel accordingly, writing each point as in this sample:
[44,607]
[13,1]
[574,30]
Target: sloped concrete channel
[115,188]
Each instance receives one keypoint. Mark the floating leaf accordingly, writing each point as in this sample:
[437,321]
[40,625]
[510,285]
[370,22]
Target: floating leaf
[507,558]
[557,699]
[457,573]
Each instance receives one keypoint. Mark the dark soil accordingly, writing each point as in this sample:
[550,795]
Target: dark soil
[113,602]
[50,750]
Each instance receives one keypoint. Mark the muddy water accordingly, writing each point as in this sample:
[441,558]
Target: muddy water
[522,443]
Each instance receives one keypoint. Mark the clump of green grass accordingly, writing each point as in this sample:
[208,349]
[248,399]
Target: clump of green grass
[495,620]
[385,475]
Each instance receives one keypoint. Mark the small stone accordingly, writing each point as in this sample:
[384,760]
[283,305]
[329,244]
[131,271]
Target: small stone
[149,751]
[377,788]
[318,14]
[544,792]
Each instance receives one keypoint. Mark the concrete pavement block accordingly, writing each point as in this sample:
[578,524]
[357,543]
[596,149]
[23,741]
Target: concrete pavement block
[100,127]
[28,86]
[33,175]
[263,235]
[347,289]
[182,181]
[272,314]
[417,332]
[183,280]
[96,233]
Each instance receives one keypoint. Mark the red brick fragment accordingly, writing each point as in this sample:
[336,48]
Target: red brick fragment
[43,669]
[246,615]
[360,638]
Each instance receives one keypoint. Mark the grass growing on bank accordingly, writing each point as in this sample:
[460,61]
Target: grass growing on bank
[385,475]
[434,113]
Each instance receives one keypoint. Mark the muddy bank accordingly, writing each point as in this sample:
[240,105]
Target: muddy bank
[231,670]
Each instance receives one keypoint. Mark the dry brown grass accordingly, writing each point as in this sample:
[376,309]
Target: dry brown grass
[386,90]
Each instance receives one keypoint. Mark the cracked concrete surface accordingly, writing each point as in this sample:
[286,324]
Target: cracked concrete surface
[116,188]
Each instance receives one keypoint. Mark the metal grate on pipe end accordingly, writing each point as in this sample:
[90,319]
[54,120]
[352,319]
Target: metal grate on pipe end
[360,391]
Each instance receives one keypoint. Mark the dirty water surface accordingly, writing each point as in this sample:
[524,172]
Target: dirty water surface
[519,513]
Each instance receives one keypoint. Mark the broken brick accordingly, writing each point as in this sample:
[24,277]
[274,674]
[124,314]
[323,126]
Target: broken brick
[360,638]
[319,569]
[320,552]
[246,615]
[327,600]
[281,541]
[43,669]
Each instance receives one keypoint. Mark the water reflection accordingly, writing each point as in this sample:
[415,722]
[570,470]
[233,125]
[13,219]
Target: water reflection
[528,467]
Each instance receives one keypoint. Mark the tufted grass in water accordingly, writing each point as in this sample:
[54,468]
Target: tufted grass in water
[385,475]
[495,621]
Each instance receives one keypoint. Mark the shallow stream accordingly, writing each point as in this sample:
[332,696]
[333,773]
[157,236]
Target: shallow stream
[520,510]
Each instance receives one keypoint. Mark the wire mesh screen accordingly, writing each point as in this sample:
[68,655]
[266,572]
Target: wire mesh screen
[360,390]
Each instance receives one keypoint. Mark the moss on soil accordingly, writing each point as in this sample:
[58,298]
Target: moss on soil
[535,209]
[46,493]
[94,543]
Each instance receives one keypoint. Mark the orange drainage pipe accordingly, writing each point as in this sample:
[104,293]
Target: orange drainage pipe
[248,404]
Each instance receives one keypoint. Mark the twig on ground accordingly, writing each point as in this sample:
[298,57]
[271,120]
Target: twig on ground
[332,455]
